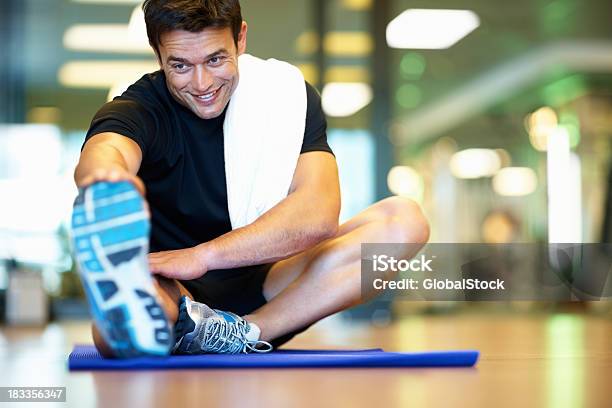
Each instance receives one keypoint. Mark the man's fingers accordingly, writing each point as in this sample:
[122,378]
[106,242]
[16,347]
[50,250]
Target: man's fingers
[155,263]
[161,271]
[163,268]
[112,175]
[155,256]
[86,181]
[155,267]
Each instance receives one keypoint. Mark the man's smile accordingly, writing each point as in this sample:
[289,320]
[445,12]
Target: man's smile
[207,97]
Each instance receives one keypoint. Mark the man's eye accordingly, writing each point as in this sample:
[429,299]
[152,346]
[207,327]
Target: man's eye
[179,67]
[214,60]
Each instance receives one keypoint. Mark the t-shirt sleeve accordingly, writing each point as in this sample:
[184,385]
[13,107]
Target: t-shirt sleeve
[315,132]
[130,119]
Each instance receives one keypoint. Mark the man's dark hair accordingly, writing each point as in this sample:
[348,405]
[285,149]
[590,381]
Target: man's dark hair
[162,16]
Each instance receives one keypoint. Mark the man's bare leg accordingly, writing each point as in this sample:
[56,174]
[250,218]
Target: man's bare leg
[169,292]
[327,278]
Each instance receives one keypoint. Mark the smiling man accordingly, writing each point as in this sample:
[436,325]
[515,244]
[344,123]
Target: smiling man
[199,77]
[211,284]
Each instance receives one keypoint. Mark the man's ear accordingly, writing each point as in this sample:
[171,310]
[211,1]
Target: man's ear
[242,38]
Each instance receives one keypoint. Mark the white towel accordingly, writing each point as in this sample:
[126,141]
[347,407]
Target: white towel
[263,134]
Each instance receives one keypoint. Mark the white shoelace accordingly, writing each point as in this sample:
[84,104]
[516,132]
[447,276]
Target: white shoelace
[230,338]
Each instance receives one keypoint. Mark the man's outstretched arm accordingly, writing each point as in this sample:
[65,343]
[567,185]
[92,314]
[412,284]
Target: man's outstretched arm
[109,157]
[307,216]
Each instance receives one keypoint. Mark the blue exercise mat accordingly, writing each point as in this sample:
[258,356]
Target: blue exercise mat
[88,358]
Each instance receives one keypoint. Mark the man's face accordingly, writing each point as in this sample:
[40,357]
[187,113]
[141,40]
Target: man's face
[202,68]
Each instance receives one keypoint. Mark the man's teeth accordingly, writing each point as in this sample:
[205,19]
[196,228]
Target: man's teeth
[207,96]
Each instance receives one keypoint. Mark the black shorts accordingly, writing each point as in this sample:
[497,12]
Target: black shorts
[238,290]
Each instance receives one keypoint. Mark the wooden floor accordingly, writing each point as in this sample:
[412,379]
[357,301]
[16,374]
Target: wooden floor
[527,360]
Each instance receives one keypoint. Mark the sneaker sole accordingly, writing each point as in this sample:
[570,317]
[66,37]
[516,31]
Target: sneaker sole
[110,232]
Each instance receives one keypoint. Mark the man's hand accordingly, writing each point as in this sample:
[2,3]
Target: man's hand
[182,264]
[112,175]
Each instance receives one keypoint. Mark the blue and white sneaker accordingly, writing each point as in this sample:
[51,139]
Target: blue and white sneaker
[110,232]
[200,329]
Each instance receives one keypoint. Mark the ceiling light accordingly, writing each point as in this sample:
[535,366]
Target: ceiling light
[137,28]
[347,73]
[475,163]
[103,74]
[111,38]
[128,38]
[430,29]
[307,43]
[540,124]
[406,182]
[515,181]
[357,5]
[345,98]
[348,43]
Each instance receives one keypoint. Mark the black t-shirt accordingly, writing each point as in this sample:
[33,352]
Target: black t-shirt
[183,163]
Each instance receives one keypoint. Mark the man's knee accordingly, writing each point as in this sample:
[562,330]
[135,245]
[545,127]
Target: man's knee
[405,221]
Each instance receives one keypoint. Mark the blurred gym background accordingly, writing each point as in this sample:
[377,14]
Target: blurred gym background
[495,116]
